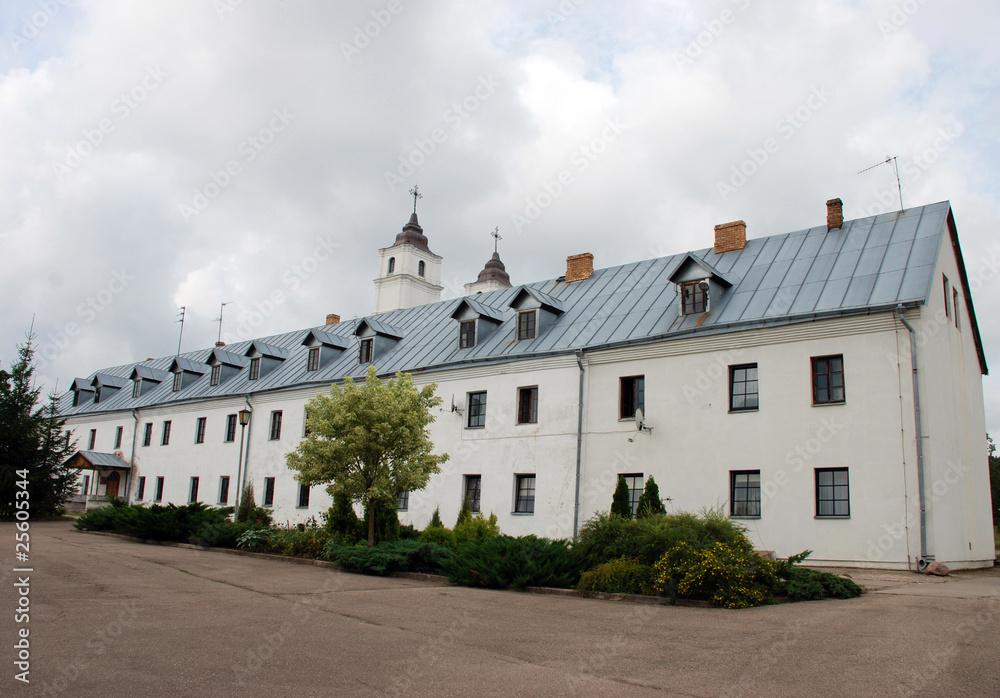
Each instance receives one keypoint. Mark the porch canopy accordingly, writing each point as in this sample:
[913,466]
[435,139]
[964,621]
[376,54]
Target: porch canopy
[94,460]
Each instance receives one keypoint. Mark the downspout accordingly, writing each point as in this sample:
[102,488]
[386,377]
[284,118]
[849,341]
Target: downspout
[131,460]
[246,453]
[922,561]
[579,446]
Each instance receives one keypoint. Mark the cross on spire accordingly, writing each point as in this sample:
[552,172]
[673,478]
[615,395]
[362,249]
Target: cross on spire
[496,237]
[415,193]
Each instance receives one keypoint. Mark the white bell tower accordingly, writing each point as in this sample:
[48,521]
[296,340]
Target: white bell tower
[409,274]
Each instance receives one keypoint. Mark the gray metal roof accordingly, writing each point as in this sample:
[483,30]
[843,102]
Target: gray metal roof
[875,263]
[380,326]
[264,349]
[221,356]
[324,337]
[149,374]
[480,309]
[106,379]
[186,364]
[97,459]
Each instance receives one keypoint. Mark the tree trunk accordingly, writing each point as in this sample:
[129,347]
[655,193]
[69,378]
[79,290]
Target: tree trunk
[371,524]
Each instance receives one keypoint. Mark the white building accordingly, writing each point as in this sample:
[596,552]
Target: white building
[823,385]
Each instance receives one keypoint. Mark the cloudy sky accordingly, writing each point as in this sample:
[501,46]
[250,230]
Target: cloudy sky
[187,153]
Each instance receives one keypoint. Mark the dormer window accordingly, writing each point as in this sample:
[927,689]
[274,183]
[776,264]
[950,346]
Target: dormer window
[694,297]
[367,349]
[178,380]
[313,363]
[216,374]
[97,395]
[392,265]
[137,387]
[420,268]
[526,325]
[255,368]
[467,334]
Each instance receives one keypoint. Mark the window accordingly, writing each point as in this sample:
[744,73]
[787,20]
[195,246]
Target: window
[224,489]
[178,380]
[392,265]
[275,425]
[403,501]
[367,347]
[635,487]
[313,363]
[93,439]
[147,437]
[97,395]
[166,433]
[477,410]
[527,405]
[473,490]
[199,432]
[467,334]
[85,486]
[193,494]
[947,296]
[694,297]
[744,493]
[633,396]
[158,497]
[230,428]
[303,496]
[255,368]
[526,324]
[269,491]
[954,295]
[118,437]
[420,268]
[832,492]
[524,500]
[305,423]
[141,490]
[137,387]
[216,374]
[743,388]
[828,379]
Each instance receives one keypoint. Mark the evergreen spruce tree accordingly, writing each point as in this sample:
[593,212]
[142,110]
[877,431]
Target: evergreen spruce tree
[34,441]
[465,513]
[649,500]
[436,519]
[248,505]
[622,502]
[386,520]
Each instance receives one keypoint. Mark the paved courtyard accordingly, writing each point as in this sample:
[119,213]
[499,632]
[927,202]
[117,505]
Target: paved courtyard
[110,617]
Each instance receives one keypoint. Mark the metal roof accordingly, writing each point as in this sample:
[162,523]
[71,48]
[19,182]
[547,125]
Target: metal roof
[869,264]
[106,379]
[221,356]
[380,327]
[265,349]
[479,309]
[97,459]
[186,364]
[149,374]
[324,337]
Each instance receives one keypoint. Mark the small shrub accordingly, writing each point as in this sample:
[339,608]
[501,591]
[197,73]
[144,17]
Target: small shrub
[386,558]
[436,519]
[439,535]
[649,501]
[803,584]
[343,523]
[167,523]
[502,562]
[476,527]
[464,513]
[730,575]
[253,539]
[408,532]
[308,543]
[386,521]
[621,502]
[621,576]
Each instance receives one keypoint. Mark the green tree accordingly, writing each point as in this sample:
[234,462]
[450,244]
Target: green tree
[649,500]
[33,440]
[386,520]
[994,479]
[436,519]
[370,441]
[464,512]
[621,504]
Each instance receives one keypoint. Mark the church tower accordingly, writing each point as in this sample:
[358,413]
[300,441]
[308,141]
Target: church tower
[494,276]
[409,274]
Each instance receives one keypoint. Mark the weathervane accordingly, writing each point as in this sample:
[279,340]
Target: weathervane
[415,193]
[496,238]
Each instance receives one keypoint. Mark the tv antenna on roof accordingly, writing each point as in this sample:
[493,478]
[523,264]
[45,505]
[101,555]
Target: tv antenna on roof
[222,309]
[182,310]
[889,160]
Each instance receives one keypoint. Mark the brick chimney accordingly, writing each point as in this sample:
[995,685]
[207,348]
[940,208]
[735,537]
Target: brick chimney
[220,344]
[730,236]
[579,267]
[332,319]
[834,214]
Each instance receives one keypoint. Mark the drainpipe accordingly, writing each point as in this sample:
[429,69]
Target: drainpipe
[922,562]
[579,447]
[131,460]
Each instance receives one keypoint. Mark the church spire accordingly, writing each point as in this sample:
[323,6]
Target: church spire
[494,274]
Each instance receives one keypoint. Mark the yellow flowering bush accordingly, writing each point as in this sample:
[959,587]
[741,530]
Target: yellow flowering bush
[730,575]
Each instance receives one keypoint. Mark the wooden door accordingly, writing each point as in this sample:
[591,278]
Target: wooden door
[112,489]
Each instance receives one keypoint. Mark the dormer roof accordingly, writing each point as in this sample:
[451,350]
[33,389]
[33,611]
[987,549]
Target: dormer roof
[527,297]
[378,327]
[481,309]
[149,374]
[259,348]
[321,337]
[228,358]
[688,260]
[187,365]
[107,380]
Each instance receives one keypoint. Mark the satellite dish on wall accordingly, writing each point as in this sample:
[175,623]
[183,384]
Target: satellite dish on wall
[703,285]
[639,420]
